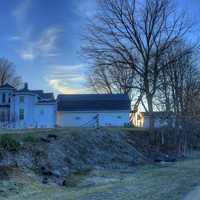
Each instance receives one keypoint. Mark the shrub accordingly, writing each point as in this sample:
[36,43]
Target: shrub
[31,139]
[127,125]
[9,143]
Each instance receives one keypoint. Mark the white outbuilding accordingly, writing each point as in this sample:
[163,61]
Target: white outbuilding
[91,110]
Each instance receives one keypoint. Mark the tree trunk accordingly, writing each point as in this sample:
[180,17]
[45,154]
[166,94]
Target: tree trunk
[150,110]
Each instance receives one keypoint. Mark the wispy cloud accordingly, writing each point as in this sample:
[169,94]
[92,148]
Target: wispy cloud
[68,79]
[20,13]
[86,8]
[32,46]
[59,87]
[15,38]
[44,46]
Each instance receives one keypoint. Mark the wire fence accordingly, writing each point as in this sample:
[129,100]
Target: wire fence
[93,123]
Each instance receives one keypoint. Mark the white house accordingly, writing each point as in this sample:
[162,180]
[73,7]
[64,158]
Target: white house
[26,108]
[6,92]
[91,110]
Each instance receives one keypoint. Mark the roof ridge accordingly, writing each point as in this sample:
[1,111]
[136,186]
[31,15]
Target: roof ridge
[7,85]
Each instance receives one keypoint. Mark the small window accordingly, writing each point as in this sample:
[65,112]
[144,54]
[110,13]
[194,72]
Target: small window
[78,118]
[119,117]
[3,98]
[21,99]
[21,114]
[2,116]
[42,112]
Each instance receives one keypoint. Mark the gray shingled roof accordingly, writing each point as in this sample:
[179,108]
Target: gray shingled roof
[7,86]
[93,102]
[40,93]
[47,96]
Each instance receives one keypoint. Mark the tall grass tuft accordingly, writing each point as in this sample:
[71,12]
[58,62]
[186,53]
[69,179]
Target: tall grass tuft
[8,143]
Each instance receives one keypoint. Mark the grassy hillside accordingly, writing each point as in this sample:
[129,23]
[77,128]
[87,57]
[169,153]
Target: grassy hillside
[89,164]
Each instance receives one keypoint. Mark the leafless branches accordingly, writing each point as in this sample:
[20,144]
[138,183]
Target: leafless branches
[133,36]
[8,74]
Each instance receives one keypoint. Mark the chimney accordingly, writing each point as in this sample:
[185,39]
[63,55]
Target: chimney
[26,86]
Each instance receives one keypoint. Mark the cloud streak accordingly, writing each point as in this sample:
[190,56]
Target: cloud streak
[44,46]
[40,41]
[20,13]
[59,87]
[68,79]
[86,8]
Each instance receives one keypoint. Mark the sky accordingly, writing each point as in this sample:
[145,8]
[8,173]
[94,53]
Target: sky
[43,39]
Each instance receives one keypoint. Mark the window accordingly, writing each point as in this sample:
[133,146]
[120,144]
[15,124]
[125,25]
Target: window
[21,99]
[3,98]
[2,116]
[78,118]
[119,117]
[21,114]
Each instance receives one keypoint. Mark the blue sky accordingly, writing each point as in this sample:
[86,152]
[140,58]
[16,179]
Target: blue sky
[43,39]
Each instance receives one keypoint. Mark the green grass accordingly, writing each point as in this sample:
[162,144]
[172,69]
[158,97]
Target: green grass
[148,182]
[34,135]
[28,135]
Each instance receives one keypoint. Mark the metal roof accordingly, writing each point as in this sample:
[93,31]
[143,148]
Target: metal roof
[93,102]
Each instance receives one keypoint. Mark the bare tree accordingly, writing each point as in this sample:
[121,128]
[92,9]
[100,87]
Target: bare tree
[179,95]
[135,35]
[179,81]
[112,79]
[8,73]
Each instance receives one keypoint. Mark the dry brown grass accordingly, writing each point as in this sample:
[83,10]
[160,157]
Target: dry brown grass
[148,182]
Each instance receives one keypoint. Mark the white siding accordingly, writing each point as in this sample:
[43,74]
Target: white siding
[146,122]
[106,118]
[45,116]
[28,106]
[33,118]
[158,123]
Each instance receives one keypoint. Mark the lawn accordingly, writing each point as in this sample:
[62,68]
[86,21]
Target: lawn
[150,182]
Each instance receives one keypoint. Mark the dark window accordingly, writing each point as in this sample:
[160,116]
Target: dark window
[21,114]
[3,98]
[2,116]
[78,118]
[21,99]
[119,117]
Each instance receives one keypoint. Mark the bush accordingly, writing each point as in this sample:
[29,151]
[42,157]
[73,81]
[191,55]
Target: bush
[31,139]
[9,143]
[127,125]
